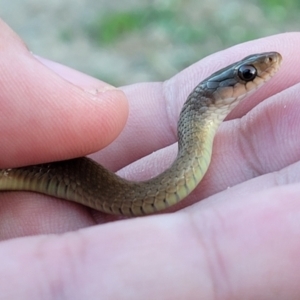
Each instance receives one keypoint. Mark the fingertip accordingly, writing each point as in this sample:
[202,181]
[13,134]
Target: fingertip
[111,112]
[78,78]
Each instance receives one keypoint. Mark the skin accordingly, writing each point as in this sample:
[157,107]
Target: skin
[238,243]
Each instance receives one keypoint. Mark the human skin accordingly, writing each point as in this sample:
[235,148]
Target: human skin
[240,242]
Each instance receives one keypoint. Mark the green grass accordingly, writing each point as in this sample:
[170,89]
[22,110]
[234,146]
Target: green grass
[109,28]
[191,31]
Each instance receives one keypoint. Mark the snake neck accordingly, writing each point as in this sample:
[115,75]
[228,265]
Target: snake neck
[198,123]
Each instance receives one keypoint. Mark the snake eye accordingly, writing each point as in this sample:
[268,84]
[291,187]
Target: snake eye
[247,72]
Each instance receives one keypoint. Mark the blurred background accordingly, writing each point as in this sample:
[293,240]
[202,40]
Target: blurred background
[128,41]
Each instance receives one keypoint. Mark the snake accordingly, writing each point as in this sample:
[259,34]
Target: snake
[84,181]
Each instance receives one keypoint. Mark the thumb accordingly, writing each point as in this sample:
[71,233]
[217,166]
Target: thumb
[46,113]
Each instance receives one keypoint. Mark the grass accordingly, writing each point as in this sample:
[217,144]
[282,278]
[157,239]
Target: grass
[167,36]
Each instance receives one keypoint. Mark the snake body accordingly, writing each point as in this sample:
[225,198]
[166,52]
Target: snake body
[84,181]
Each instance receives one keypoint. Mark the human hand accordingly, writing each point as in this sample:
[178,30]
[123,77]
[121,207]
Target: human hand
[241,243]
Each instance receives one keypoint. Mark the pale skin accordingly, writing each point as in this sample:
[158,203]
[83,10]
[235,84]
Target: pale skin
[237,243]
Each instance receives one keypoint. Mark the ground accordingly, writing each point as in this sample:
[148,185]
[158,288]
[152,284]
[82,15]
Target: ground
[139,41]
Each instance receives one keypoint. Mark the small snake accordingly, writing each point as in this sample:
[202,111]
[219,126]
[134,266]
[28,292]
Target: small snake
[84,181]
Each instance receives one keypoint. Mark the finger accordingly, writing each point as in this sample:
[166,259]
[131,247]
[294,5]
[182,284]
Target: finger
[25,214]
[209,253]
[286,176]
[45,117]
[77,78]
[154,108]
